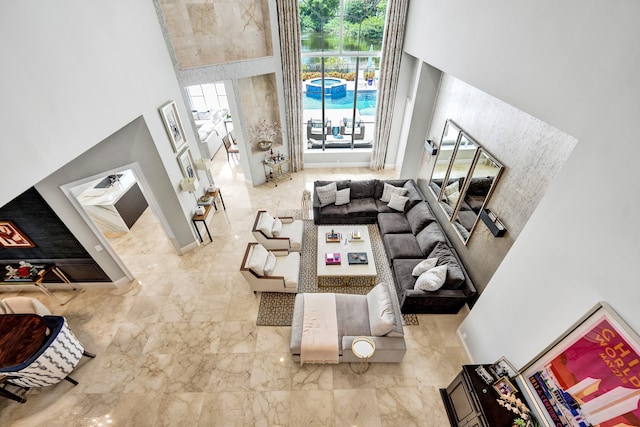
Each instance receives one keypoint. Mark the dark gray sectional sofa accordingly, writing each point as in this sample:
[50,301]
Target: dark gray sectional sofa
[408,238]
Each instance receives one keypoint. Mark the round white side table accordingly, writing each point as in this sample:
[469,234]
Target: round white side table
[363,348]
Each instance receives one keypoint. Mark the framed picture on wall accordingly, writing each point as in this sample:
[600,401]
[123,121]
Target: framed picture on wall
[173,124]
[590,375]
[12,237]
[186,164]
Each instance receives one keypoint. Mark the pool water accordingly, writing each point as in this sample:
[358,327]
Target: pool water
[366,102]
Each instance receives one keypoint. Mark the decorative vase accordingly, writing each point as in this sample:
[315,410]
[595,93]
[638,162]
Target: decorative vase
[264,145]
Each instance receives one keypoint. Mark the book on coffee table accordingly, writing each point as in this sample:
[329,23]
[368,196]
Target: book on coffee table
[357,258]
[333,238]
[332,258]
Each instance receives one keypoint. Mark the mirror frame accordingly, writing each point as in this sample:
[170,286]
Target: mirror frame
[480,151]
[465,236]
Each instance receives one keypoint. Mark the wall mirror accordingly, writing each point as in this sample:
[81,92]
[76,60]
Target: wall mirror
[464,184]
[448,145]
[486,171]
[460,166]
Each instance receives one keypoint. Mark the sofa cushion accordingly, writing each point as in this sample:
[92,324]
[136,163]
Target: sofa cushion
[429,237]
[327,194]
[397,202]
[381,316]
[419,217]
[393,223]
[333,211]
[432,279]
[402,246]
[362,207]
[339,184]
[414,195]
[276,229]
[343,196]
[455,275]
[362,189]
[391,189]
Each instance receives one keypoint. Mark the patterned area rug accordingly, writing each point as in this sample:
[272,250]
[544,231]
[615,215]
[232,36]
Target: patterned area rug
[276,309]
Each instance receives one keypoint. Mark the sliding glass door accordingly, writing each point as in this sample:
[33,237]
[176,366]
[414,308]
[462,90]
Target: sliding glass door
[341,42]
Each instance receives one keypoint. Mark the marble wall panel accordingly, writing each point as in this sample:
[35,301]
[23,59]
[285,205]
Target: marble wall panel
[215,32]
[532,151]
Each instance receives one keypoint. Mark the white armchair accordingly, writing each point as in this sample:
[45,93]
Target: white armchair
[279,272]
[278,233]
[23,305]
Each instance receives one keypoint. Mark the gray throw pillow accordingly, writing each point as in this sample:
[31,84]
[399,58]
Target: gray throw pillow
[327,194]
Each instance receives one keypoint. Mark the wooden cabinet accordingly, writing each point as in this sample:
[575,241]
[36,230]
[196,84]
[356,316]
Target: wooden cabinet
[470,402]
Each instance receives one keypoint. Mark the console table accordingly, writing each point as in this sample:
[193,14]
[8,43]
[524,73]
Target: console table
[37,279]
[207,208]
[469,401]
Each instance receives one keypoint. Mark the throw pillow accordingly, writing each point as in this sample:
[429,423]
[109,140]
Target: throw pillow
[389,189]
[342,196]
[277,227]
[433,279]
[269,264]
[397,202]
[381,316]
[424,265]
[452,199]
[258,259]
[266,224]
[327,194]
[452,188]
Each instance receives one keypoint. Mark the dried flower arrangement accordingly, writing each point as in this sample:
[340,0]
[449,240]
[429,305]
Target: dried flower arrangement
[264,131]
[518,407]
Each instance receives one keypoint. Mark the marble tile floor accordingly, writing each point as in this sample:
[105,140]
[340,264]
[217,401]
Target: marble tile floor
[179,346]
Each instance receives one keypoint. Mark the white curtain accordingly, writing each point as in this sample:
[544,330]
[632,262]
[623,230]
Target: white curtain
[289,27]
[389,70]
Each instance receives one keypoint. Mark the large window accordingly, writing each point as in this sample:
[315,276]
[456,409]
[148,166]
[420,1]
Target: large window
[341,42]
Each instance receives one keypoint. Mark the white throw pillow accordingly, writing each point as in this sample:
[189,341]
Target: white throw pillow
[269,264]
[258,259]
[327,194]
[424,265]
[397,202]
[432,280]
[452,199]
[452,188]
[277,227]
[389,189]
[382,319]
[265,224]
[343,196]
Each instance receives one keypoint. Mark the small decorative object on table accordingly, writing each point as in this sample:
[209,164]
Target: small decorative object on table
[355,236]
[25,271]
[485,375]
[333,237]
[357,258]
[333,258]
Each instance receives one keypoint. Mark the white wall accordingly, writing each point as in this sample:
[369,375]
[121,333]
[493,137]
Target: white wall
[74,73]
[575,66]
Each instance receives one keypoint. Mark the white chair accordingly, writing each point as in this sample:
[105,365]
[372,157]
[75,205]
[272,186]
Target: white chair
[282,276]
[23,305]
[286,235]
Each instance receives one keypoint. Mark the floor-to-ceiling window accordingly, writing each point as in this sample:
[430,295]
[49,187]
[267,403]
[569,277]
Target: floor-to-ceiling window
[341,43]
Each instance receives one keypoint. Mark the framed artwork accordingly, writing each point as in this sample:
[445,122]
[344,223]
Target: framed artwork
[503,368]
[186,164]
[589,376]
[12,237]
[172,123]
[504,387]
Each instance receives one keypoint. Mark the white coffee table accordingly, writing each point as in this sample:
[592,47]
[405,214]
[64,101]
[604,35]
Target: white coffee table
[340,274]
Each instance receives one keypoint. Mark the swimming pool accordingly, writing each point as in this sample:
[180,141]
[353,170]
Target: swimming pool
[334,88]
[366,102]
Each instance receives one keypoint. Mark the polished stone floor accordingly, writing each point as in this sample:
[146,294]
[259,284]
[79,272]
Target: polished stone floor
[180,347]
